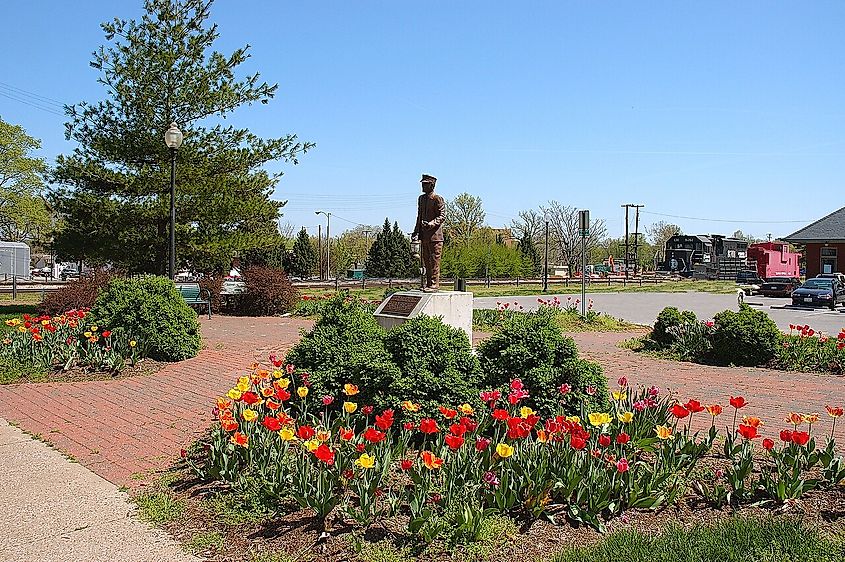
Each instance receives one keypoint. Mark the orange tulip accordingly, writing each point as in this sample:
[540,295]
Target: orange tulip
[431,461]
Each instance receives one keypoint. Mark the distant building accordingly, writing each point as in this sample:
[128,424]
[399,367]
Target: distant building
[774,259]
[824,241]
[14,259]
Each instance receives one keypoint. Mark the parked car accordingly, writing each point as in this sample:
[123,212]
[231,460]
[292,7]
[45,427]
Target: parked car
[819,292]
[839,276]
[69,272]
[749,281]
[779,286]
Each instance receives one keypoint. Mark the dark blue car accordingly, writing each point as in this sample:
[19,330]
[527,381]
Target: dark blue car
[819,292]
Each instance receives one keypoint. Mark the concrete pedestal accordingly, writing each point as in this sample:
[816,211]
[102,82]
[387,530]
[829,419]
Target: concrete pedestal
[453,307]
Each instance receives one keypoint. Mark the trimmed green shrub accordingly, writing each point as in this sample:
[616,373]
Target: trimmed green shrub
[669,317]
[532,348]
[436,364]
[151,310]
[422,360]
[344,341]
[748,337]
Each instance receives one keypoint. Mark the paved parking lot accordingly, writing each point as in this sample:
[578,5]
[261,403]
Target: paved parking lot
[642,308]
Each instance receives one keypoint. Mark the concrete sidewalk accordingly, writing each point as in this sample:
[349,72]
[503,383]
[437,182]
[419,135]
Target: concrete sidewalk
[57,510]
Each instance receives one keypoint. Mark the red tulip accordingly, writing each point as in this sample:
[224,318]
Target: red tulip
[373,435]
[800,437]
[747,431]
[786,435]
[768,444]
[273,424]
[428,425]
[622,438]
[738,402]
[454,441]
[679,411]
[385,420]
[325,454]
[694,406]
[305,432]
[604,440]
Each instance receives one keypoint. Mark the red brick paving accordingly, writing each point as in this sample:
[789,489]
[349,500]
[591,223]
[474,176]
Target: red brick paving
[136,425]
[771,394]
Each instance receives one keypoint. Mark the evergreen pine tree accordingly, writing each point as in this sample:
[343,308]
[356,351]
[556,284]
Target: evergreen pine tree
[303,259]
[529,251]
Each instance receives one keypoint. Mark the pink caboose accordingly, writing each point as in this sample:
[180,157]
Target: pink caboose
[774,259]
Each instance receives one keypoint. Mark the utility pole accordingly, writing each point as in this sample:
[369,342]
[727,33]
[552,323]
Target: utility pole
[546,267]
[366,255]
[628,253]
[626,239]
[584,231]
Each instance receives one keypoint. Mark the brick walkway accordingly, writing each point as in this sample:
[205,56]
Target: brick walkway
[771,394]
[131,426]
[136,425]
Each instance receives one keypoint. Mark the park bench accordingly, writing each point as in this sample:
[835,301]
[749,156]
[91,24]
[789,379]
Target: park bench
[193,295]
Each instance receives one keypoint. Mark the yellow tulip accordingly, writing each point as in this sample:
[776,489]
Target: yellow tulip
[323,436]
[663,432]
[283,383]
[410,406]
[466,409]
[573,419]
[626,417]
[504,450]
[312,445]
[350,389]
[132,343]
[243,384]
[525,411]
[598,419]
[619,396]
[302,391]
[234,394]
[287,434]
[277,374]
[249,415]
[94,328]
[350,407]
[366,461]
[87,334]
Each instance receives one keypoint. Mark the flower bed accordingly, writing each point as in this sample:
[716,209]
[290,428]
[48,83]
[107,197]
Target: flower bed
[452,468]
[566,314]
[69,341]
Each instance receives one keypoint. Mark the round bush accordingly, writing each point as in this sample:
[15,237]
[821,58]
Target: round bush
[436,363]
[748,338]
[669,317]
[345,337]
[268,292]
[151,310]
[533,349]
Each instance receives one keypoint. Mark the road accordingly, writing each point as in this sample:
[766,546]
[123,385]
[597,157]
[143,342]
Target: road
[642,308]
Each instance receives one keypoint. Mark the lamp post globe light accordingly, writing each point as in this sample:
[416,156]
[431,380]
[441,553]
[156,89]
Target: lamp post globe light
[173,139]
[328,240]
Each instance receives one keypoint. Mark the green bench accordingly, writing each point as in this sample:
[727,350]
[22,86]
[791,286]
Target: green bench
[193,295]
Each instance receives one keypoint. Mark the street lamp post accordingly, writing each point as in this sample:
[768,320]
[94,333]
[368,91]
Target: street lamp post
[366,255]
[328,241]
[173,140]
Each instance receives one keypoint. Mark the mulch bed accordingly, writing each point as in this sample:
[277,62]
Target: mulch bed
[300,535]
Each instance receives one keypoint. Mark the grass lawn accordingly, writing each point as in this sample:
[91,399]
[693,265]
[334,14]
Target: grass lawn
[737,539]
[574,287]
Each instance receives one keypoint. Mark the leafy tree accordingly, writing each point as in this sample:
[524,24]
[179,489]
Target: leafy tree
[390,254]
[750,238]
[114,187]
[660,232]
[464,216]
[303,258]
[23,211]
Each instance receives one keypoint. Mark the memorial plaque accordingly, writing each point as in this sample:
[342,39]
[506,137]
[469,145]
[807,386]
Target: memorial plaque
[400,305]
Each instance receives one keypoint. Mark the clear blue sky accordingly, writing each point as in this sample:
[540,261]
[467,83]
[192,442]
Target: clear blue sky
[715,110]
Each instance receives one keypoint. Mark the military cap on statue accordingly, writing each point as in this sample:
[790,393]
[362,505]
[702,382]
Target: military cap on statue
[428,179]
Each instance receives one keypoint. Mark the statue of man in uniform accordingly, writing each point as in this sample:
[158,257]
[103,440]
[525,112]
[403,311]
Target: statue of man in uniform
[431,212]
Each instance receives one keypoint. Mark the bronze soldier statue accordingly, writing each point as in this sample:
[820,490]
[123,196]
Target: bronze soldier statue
[431,212]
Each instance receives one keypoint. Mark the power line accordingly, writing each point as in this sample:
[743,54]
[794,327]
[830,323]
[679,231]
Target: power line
[21,91]
[725,220]
[31,104]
